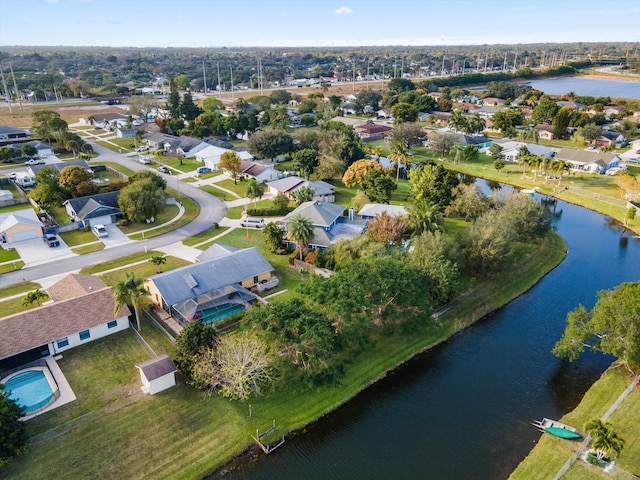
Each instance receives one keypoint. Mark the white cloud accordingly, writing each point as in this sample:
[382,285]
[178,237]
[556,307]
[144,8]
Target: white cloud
[342,11]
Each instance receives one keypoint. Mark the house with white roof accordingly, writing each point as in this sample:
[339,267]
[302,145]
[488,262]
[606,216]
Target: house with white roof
[20,225]
[372,210]
[592,161]
[322,191]
[511,150]
[210,156]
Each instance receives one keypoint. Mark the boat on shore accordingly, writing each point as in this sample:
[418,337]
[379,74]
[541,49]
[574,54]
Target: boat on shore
[557,429]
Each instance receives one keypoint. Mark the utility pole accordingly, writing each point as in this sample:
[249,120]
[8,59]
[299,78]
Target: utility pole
[15,86]
[219,87]
[442,69]
[233,99]
[486,57]
[6,92]
[367,75]
[504,64]
[382,88]
[354,75]
[402,68]
[204,77]
[515,62]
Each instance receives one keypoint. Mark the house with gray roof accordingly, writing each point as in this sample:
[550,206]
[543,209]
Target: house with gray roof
[329,223]
[58,166]
[592,161]
[94,209]
[213,289]
[11,134]
[261,172]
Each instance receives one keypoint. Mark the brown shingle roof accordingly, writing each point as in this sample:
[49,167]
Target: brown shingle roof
[74,285]
[26,330]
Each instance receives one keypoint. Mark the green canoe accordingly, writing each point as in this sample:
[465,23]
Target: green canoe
[562,433]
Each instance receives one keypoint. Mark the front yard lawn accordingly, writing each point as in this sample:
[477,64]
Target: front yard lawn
[8,255]
[240,188]
[187,164]
[203,236]
[143,270]
[77,237]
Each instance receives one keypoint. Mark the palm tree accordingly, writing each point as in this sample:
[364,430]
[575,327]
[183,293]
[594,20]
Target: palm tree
[476,124]
[399,154]
[255,190]
[424,216]
[34,296]
[559,167]
[374,150]
[158,261]
[300,231]
[129,291]
[457,120]
[606,441]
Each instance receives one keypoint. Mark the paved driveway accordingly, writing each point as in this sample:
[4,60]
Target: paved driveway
[116,237]
[35,251]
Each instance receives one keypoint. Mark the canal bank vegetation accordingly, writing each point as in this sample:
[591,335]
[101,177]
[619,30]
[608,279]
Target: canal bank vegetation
[338,336]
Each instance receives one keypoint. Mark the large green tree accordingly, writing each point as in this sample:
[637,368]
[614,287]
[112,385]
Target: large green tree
[273,235]
[194,339]
[48,191]
[408,134]
[142,200]
[306,161]
[434,184]
[77,180]
[270,144]
[13,432]
[230,162]
[612,327]
[255,190]
[605,440]
[404,112]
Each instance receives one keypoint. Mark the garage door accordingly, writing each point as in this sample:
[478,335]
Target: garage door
[25,235]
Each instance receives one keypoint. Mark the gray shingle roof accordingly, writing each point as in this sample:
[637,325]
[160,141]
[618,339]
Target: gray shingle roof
[60,165]
[157,367]
[585,156]
[321,214]
[210,275]
[95,205]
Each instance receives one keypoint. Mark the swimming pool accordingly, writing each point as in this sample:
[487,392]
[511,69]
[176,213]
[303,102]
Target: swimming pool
[215,314]
[31,388]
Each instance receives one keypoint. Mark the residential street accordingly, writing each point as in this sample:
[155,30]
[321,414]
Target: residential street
[212,209]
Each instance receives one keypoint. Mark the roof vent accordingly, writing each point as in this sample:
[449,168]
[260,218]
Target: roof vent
[190,281]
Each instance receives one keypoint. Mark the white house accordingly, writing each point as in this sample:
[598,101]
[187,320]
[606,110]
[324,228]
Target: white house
[20,225]
[261,172]
[372,210]
[322,191]
[81,312]
[511,150]
[210,156]
[592,161]
[157,374]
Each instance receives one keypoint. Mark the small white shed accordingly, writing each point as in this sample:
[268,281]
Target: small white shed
[157,374]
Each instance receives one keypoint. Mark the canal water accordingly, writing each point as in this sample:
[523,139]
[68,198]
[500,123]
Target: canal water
[462,410]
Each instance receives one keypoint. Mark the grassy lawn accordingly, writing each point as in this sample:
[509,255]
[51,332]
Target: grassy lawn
[19,288]
[77,237]
[550,453]
[187,165]
[119,262]
[216,192]
[94,247]
[344,194]
[142,270]
[180,434]
[203,236]
[119,168]
[13,208]
[192,209]
[596,192]
[169,212]
[8,255]
[59,214]
[239,188]
[9,307]
[204,176]
[236,212]
[10,267]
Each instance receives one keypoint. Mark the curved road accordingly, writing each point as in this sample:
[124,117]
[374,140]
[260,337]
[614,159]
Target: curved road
[212,209]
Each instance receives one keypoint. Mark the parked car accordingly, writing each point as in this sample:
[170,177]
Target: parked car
[13,175]
[144,160]
[163,169]
[100,231]
[203,170]
[252,222]
[34,161]
[142,148]
[51,240]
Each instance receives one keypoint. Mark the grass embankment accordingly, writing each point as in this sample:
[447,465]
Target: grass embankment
[596,192]
[180,434]
[119,262]
[551,453]
[8,255]
[143,270]
[10,267]
[92,247]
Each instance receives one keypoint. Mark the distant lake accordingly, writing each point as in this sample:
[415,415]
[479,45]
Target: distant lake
[595,87]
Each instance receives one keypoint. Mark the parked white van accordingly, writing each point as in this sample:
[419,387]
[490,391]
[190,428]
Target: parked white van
[252,222]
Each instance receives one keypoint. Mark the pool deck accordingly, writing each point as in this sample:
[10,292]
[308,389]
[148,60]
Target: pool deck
[66,394]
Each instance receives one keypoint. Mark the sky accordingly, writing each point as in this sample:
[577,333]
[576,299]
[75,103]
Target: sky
[300,23]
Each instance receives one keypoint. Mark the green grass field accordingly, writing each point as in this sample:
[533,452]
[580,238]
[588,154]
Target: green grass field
[14,305]
[94,247]
[142,270]
[10,267]
[203,236]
